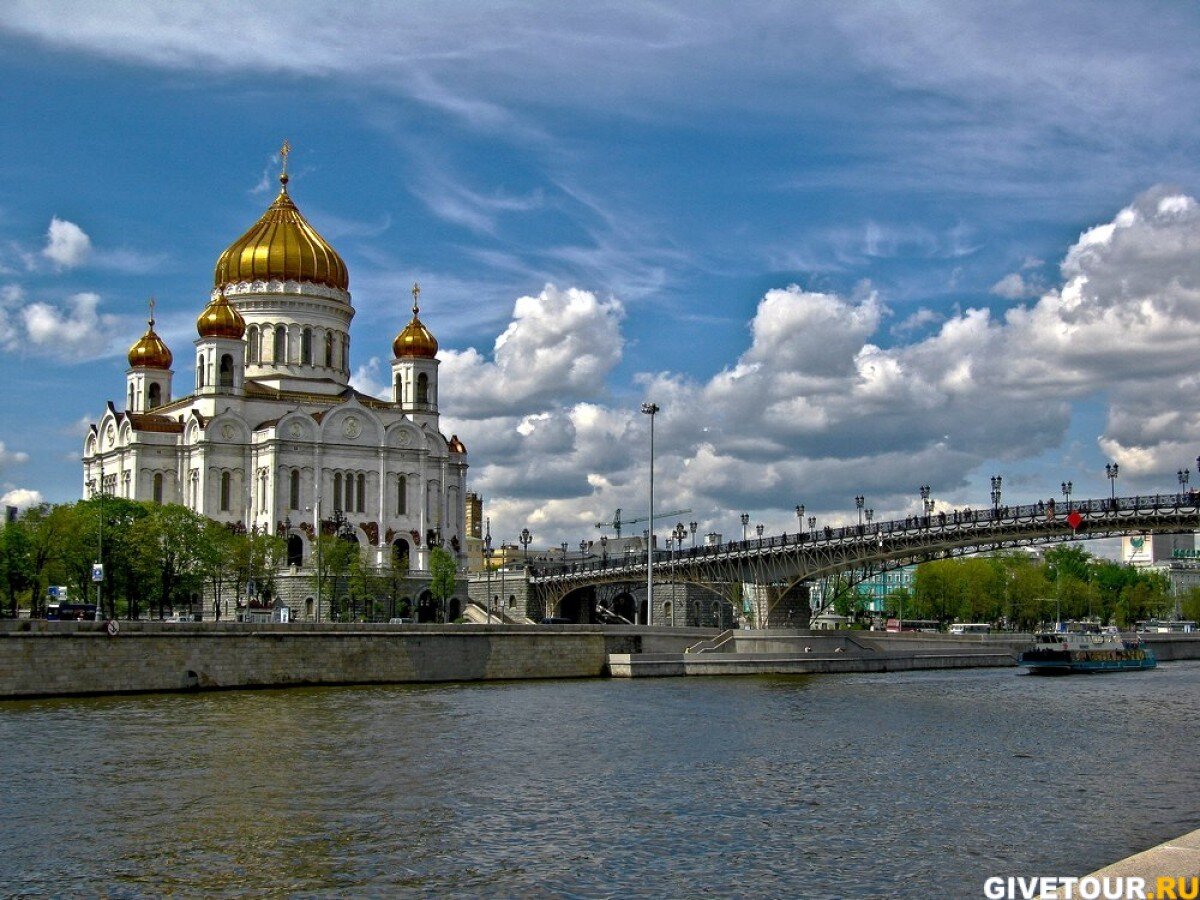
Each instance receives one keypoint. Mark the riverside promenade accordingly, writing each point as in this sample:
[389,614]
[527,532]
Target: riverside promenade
[40,658]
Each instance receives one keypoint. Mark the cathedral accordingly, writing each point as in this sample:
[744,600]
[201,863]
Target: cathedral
[273,437]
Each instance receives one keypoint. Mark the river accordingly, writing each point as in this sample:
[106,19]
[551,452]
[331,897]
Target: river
[900,785]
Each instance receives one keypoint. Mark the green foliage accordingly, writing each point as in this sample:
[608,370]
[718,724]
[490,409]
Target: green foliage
[1024,592]
[442,569]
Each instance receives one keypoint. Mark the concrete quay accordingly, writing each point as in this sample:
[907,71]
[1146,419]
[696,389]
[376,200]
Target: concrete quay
[1167,871]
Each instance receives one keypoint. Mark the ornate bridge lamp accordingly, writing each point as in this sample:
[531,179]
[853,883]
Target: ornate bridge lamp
[1111,471]
[680,533]
[869,514]
[859,501]
[526,538]
[583,547]
[812,527]
[604,551]
[1067,487]
[745,524]
[1184,476]
[924,491]
[800,518]
[996,480]
[759,529]
[692,526]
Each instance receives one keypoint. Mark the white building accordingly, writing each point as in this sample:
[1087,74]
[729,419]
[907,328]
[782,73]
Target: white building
[273,437]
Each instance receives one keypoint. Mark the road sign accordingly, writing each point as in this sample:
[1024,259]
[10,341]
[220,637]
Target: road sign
[1074,519]
[98,572]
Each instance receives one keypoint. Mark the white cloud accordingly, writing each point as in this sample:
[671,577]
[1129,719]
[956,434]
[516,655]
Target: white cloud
[1013,286]
[22,498]
[76,330]
[67,245]
[560,346]
[814,411]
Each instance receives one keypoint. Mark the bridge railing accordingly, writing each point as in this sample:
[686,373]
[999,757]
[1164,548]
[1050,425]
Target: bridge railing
[968,519]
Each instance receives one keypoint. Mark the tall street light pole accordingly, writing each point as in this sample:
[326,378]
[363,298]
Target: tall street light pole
[745,524]
[1111,471]
[800,517]
[858,502]
[924,489]
[650,409]
[996,481]
[487,566]
[1067,487]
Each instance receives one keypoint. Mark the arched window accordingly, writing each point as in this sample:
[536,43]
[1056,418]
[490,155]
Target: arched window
[226,375]
[362,493]
[295,550]
[348,499]
[422,389]
[345,360]
[129,402]
[306,347]
[158,488]
[280,344]
[337,491]
[199,373]
[225,491]
[308,607]
[401,496]
[398,396]
[294,492]
[155,395]
[329,349]
[254,346]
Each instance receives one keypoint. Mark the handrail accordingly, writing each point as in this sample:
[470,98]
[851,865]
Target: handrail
[713,643]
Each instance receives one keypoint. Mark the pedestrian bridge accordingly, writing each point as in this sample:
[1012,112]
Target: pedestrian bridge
[785,561]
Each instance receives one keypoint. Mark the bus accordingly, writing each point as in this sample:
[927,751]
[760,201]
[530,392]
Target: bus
[71,612]
[970,628]
[897,625]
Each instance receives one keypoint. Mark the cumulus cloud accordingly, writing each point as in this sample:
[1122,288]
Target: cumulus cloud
[814,410]
[22,498]
[11,457]
[560,346]
[73,330]
[67,245]
[1014,286]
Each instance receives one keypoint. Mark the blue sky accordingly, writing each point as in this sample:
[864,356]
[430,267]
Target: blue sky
[841,244]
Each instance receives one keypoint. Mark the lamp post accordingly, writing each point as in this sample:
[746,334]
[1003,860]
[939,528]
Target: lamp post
[1184,477]
[858,502]
[650,409]
[487,566]
[1067,487]
[759,530]
[812,526]
[604,551]
[692,526]
[924,490]
[583,546]
[1111,471]
[800,517]
[525,540]
[745,523]
[869,514]
[996,480]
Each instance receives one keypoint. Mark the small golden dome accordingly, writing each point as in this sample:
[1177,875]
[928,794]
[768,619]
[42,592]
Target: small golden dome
[149,351]
[457,446]
[221,320]
[415,340]
[281,246]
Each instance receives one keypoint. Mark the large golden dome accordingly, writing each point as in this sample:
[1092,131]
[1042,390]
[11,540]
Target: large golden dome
[149,351]
[415,340]
[281,246]
[220,320]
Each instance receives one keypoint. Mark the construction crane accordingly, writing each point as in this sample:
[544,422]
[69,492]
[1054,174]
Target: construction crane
[618,523]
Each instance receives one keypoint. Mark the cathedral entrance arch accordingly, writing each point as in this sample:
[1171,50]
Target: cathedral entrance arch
[295,550]
[427,607]
[400,555]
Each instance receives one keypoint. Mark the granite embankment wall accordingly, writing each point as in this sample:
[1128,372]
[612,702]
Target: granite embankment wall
[62,658]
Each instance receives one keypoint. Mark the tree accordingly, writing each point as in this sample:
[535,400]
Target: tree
[16,562]
[442,568]
[167,543]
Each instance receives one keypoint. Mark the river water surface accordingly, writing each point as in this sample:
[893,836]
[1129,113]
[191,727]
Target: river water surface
[900,785]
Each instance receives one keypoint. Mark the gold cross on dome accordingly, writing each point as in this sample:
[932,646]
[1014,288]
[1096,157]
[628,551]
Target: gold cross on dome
[416,292]
[151,312]
[283,153]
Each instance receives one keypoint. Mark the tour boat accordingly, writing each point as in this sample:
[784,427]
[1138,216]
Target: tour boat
[1084,647]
